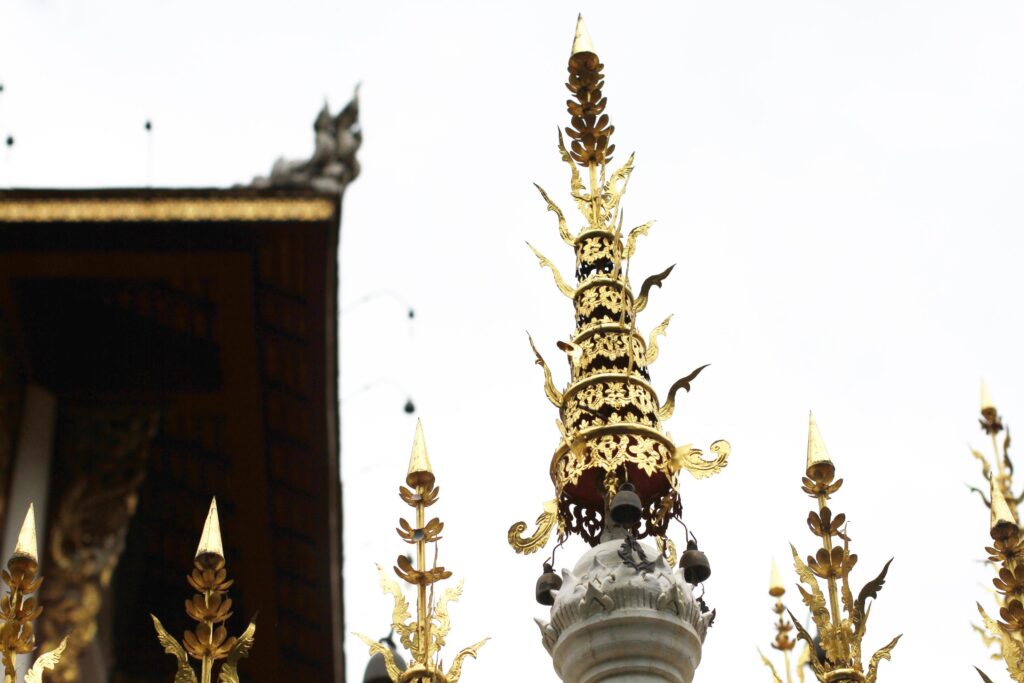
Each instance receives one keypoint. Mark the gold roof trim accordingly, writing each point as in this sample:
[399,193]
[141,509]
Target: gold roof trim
[95,210]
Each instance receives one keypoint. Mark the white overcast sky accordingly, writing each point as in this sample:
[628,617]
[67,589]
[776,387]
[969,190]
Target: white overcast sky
[839,182]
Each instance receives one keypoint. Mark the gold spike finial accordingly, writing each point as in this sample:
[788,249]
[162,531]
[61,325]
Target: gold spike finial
[986,399]
[420,473]
[819,464]
[582,41]
[210,542]
[26,546]
[775,587]
[1003,524]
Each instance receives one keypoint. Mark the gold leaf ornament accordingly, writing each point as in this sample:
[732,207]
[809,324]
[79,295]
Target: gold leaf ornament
[539,538]
[184,674]
[692,459]
[241,648]
[47,662]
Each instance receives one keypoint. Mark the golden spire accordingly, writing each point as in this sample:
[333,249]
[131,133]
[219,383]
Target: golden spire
[26,546]
[210,607]
[1003,523]
[210,542]
[783,642]
[841,634]
[17,636]
[819,465]
[582,42]
[610,416]
[986,398]
[420,472]
[425,634]
[776,588]
[1007,545]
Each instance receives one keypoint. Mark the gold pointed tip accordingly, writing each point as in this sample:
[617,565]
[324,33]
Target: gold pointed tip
[26,546]
[1003,524]
[582,41]
[420,473]
[210,543]
[819,464]
[987,404]
[775,587]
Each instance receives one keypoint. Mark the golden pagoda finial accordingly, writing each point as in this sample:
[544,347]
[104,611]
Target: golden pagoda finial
[582,41]
[210,542]
[420,472]
[17,636]
[26,546]
[819,465]
[424,635]
[841,634]
[210,607]
[610,416]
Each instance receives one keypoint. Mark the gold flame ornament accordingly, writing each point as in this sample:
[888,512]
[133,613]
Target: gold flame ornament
[841,625]
[208,642]
[610,415]
[783,642]
[19,609]
[425,635]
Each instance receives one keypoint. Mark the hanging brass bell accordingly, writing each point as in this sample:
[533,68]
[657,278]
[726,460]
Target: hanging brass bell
[547,582]
[626,507]
[694,563]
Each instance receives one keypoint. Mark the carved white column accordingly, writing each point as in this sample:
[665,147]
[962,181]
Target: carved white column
[622,617]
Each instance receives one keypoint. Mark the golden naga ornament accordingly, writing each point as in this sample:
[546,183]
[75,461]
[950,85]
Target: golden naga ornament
[425,635]
[19,609]
[841,625]
[610,416]
[208,642]
[783,642]
[1006,553]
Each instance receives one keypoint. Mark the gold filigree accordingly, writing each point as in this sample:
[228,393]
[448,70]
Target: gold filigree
[692,459]
[46,662]
[185,209]
[539,538]
[425,634]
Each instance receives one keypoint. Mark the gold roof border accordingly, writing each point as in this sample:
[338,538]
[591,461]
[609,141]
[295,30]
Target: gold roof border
[165,209]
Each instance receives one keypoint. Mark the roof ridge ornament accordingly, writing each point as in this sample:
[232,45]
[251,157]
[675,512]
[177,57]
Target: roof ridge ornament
[610,417]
